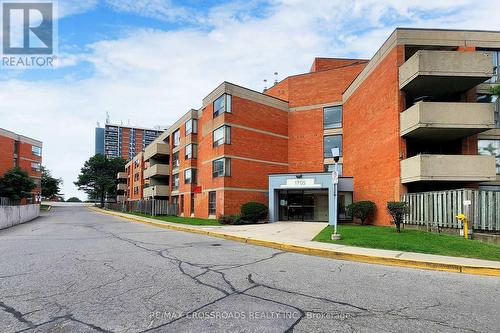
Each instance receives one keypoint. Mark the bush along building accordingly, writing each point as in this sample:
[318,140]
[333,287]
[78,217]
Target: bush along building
[25,153]
[418,116]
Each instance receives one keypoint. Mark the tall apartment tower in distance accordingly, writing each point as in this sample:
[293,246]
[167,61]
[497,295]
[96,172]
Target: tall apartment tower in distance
[123,141]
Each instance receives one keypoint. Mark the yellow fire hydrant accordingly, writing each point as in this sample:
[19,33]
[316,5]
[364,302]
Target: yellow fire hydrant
[465,220]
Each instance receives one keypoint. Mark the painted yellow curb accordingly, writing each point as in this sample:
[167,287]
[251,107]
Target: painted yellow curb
[409,263]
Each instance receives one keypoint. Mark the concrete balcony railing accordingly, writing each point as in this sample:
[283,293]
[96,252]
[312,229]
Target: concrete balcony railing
[121,187]
[121,175]
[431,120]
[156,150]
[157,170]
[452,168]
[431,73]
[156,191]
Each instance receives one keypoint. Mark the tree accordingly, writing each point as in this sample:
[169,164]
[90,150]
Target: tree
[397,210]
[74,199]
[98,176]
[361,210]
[495,90]
[50,185]
[16,184]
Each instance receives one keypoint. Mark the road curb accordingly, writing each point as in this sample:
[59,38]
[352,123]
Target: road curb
[326,253]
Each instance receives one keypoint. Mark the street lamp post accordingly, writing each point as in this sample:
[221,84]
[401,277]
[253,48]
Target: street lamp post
[335,180]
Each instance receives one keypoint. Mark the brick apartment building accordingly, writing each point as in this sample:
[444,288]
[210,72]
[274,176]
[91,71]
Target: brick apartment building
[123,141]
[415,117]
[23,152]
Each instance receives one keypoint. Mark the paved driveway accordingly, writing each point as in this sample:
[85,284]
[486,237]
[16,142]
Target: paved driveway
[74,270]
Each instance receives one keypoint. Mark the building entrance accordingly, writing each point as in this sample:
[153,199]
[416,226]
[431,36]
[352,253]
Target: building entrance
[303,205]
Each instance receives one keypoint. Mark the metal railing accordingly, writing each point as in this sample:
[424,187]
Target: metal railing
[440,208]
[150,207]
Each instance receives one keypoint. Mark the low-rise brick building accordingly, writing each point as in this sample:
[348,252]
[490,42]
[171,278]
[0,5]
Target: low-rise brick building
[26,153]
[418,116]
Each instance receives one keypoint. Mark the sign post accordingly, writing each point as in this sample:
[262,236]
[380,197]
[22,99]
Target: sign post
[335,181]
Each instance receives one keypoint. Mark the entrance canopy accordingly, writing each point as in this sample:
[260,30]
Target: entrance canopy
[315,189]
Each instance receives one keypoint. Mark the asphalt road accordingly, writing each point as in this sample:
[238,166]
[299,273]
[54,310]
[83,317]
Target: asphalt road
[73,270]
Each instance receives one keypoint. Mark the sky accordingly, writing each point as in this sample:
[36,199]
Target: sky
[147,62]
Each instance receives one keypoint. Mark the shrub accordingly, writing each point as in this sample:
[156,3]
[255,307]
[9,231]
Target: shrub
[230,219]
[361,210]
[73,199]
[254,212]
[397,210]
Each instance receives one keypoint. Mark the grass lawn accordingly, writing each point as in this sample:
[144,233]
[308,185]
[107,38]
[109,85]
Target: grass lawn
[410,241]
[180,220]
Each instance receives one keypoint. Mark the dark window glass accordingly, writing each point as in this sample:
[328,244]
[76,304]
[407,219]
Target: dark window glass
[175,160]
[221,167]
[490,148]
[177,138]
[212,203]
[191,126]
[175,182]
[37,151]
[331,168]
[331,142]
[222,104]
[333,117]
[222,135]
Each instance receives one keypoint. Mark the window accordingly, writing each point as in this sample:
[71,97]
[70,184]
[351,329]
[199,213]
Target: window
[192,204]
[222,104]
[177,138]
[191,126]
[332,117]
[496,67]
[175,160]
[36,150]
[136,190]
[35,166]
[190,176]
[331,142]
[212,203]
[175,182]
[490,148]
[136,177]
[331,167]
[191,151]
[221,167]
[222,135]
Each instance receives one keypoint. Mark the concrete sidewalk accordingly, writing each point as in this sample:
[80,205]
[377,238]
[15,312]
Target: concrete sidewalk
[297,237]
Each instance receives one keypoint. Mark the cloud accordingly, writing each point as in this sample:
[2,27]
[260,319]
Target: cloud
[151,77]
[158,9]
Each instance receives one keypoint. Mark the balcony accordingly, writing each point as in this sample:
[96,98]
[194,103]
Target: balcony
[450,121]
[451,168]
[432,73]
[157,170]
[121,175]
[156,150]
[156,191]
[121,187]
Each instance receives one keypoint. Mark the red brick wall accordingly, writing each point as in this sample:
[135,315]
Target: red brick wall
[318,87]
[6,154]
[245,143]
[321,64]
[133,183]
[305,146]
[371,137]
